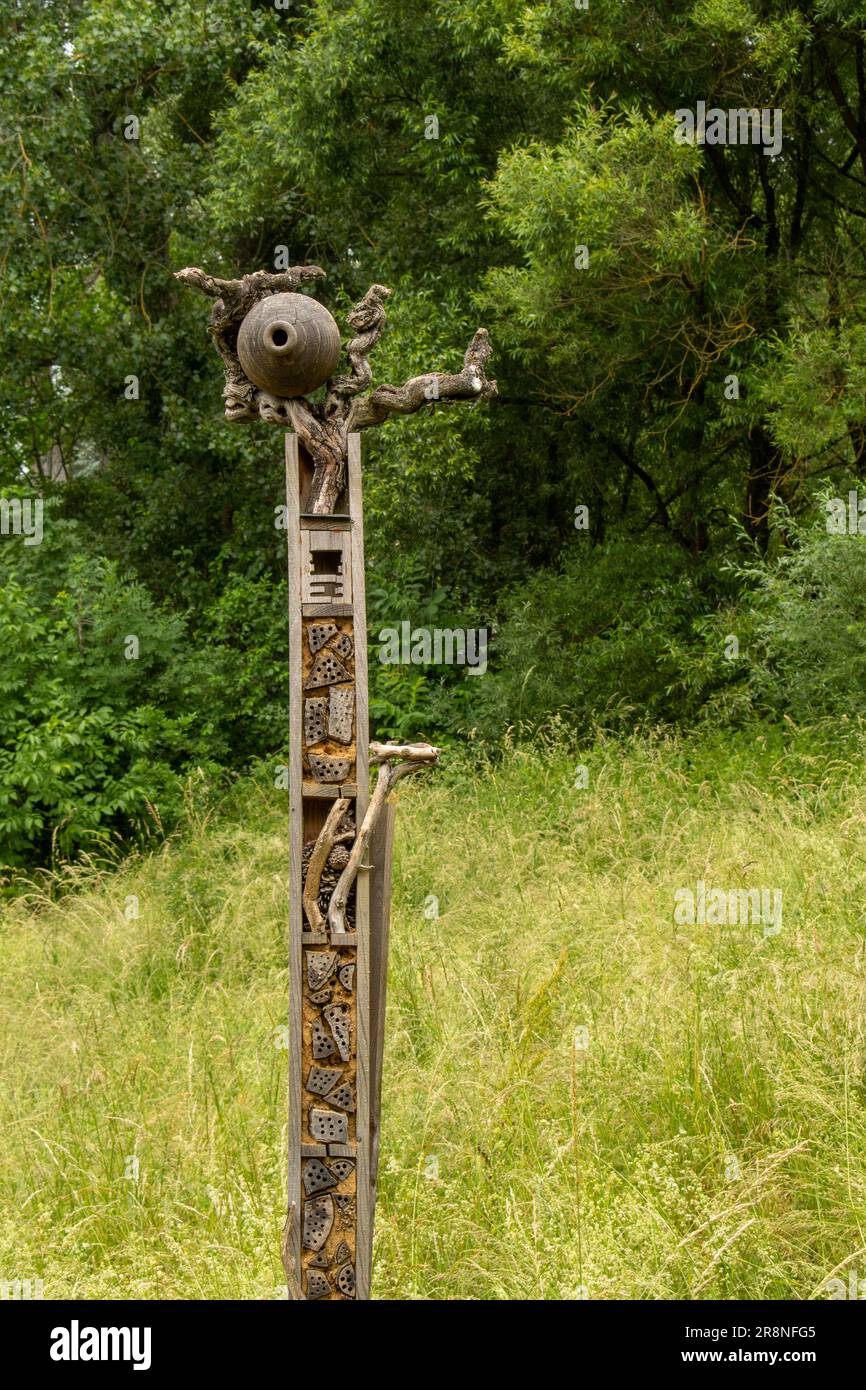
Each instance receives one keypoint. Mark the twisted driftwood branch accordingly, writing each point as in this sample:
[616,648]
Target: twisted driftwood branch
[233,300]
[328,837]
[470,384]
[395,761]
[368,318]
[324,429]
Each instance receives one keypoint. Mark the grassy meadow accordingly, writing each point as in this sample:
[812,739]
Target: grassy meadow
[582,1098]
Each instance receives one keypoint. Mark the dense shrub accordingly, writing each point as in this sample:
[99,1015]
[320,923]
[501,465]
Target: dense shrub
[803,626]
[591,640]
[79,762]
[98,703]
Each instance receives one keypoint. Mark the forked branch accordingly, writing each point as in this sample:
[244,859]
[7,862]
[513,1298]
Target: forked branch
[395,761]
[471,384]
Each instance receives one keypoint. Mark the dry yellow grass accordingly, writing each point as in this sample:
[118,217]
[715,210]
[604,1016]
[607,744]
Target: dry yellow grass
[582,1098]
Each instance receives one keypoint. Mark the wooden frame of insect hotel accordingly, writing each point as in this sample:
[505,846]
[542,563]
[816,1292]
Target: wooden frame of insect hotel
[278,346]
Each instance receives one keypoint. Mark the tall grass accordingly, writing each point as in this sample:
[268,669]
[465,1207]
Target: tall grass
[581,1098]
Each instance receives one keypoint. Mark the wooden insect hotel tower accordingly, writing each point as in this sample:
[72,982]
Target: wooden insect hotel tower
[278,346]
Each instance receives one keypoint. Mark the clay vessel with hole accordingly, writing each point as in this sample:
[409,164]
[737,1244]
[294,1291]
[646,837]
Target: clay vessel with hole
[288,344]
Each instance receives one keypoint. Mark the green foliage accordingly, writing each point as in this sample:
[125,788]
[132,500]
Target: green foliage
[246,659]
[103,703]
[790,642]
[76,768]
[588,642]
[804,637]
[699,379]
[411,701]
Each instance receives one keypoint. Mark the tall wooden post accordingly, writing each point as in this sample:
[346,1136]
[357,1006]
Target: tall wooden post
[278,347]
[329,1233]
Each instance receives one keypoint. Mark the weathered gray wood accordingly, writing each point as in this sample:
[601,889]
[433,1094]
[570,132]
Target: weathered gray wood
[292,1247]
[381,847]
[343,1025]
[328,610]
[359,588]
[329,790]
[312,521]
[364,1217]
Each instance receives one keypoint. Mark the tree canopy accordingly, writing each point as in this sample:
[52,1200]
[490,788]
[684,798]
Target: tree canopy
[678,329]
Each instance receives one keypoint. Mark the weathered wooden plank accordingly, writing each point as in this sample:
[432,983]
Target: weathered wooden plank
[329,790]
[364,1228]
[312,521]
[296,841]
[329,1128]
[327,610]
[359,588]
[381,845]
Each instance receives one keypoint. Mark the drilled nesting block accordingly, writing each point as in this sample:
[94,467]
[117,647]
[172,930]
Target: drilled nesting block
[341,712]
[321,1080]
[316,1177]
[339,1020]
[343,1097]
[323,1044]
[327,669]
[320,967]
[314,719]
[329,769]
[318,1285]
[319,633]
[318,1220]
[327,1127]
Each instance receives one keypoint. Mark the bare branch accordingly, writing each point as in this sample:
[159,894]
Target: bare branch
[200,280]
[239,296]
[318,859]
[469,384]
[368,317]
[395,761]
[412,752]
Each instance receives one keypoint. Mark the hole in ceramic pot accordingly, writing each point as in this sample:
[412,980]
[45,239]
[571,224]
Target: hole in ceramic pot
[281,337]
